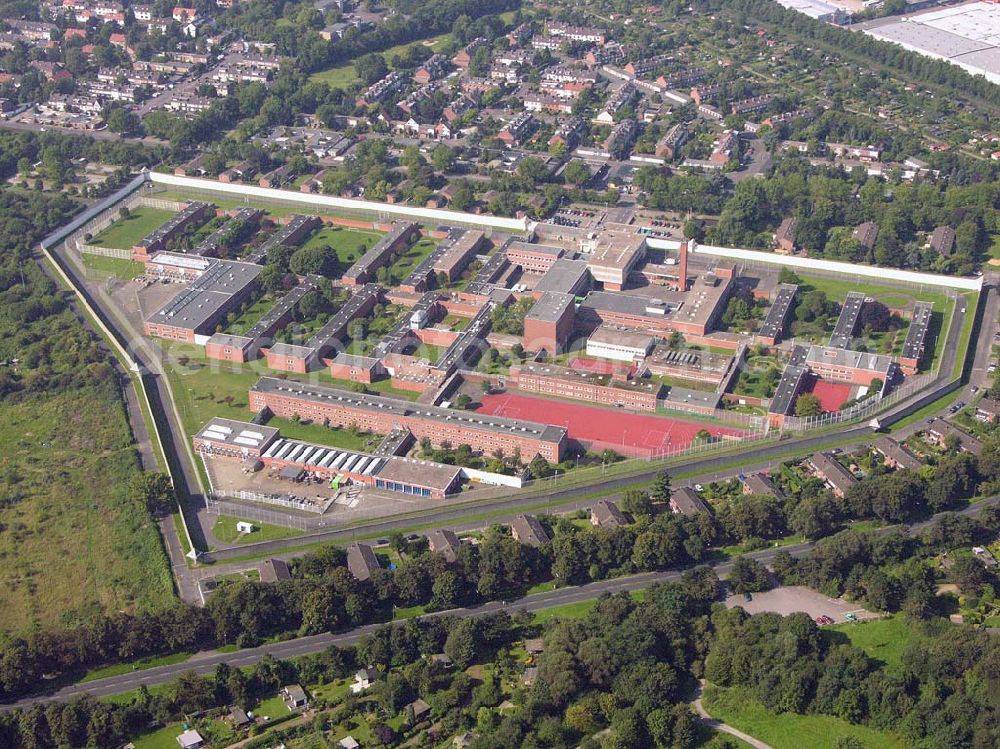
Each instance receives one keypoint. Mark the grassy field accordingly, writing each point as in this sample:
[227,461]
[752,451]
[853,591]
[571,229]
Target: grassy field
[343,76]
[882,639]
[738,708]
[102,266]
[329,436]
[71,543]
[349,244]
[409,260]
[123,234]
[251,315]
[225,530]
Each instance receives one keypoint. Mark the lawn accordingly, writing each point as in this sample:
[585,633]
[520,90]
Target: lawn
[343,76]
[410,259]
[881,639]
[112,266]
[330,436]
[73,543]
[349,244]
[225,530]
[251,315]
[738,708]
[125,233]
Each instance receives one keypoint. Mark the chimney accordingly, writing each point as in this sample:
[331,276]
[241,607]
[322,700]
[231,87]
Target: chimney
[682,273]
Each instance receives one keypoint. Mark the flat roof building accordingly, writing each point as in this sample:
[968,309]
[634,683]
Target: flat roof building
[776,321]
[916,338]
[193,314]
[379,414]
[844,365]
[613,256]
[847,321]
[623,345]
[566,277]
[549,323]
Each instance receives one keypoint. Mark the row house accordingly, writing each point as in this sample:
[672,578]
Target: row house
[518,129]
[569,90]
[648,65]
[513,58]
[36,31]
[434,68]
[702,94]
[382,89]
[520,35]
[504,76]
[610,53]
[622,98]
[458,107]
[568,133]
[567,74]
[751,105]
[542,103]
[421,94]
[463,58]
[619,143]
[550,43]
[668,146]
[682,78]
[576,33]
[725,148]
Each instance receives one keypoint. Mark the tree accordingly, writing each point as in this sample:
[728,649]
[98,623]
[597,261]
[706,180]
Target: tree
[442,157]
[749,576]
[661,490]
[155,491]
[463,643]
[808,404]
[637,503]
[577,173]
[370,68]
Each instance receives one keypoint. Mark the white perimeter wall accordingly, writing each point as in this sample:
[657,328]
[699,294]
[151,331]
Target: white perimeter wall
[350,204]
[891,275]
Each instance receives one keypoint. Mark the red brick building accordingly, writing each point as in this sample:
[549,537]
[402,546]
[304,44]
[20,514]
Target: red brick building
[373,413]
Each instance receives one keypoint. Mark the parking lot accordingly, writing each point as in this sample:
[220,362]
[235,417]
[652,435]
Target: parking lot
[795,598]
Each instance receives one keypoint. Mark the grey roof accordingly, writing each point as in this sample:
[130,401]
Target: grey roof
[198,305]
[833,472]
[444,542]
[916,334]
[361,561]
[777,315]
[282,236]
[529,531]
[943,240]
[787,389]
[550,307]
[687,501]
[847,322]
[336,327]
[273,570]
[898,454]
[376,255]
[758,483]
[544,432]
[842,357]
[607,514]
[565,275]
[944,428]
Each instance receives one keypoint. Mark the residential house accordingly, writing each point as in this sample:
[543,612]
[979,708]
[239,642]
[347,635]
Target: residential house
[605,514]
[686,501]
[361,561]
[527,530]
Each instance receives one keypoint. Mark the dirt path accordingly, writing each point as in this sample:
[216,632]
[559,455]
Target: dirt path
[718,725]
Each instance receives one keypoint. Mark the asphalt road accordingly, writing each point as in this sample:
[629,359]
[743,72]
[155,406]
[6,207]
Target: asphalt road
[205,662]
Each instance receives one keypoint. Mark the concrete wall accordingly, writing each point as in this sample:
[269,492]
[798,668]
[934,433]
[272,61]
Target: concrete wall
[330,202]
[849,270]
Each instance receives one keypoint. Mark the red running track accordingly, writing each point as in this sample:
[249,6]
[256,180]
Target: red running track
[831,394]
[589,424]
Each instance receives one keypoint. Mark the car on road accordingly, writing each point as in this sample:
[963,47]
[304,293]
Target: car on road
[699,488]
[748,596]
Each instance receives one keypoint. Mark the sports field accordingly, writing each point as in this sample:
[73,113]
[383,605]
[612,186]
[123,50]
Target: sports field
[831,394]
[626,432]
